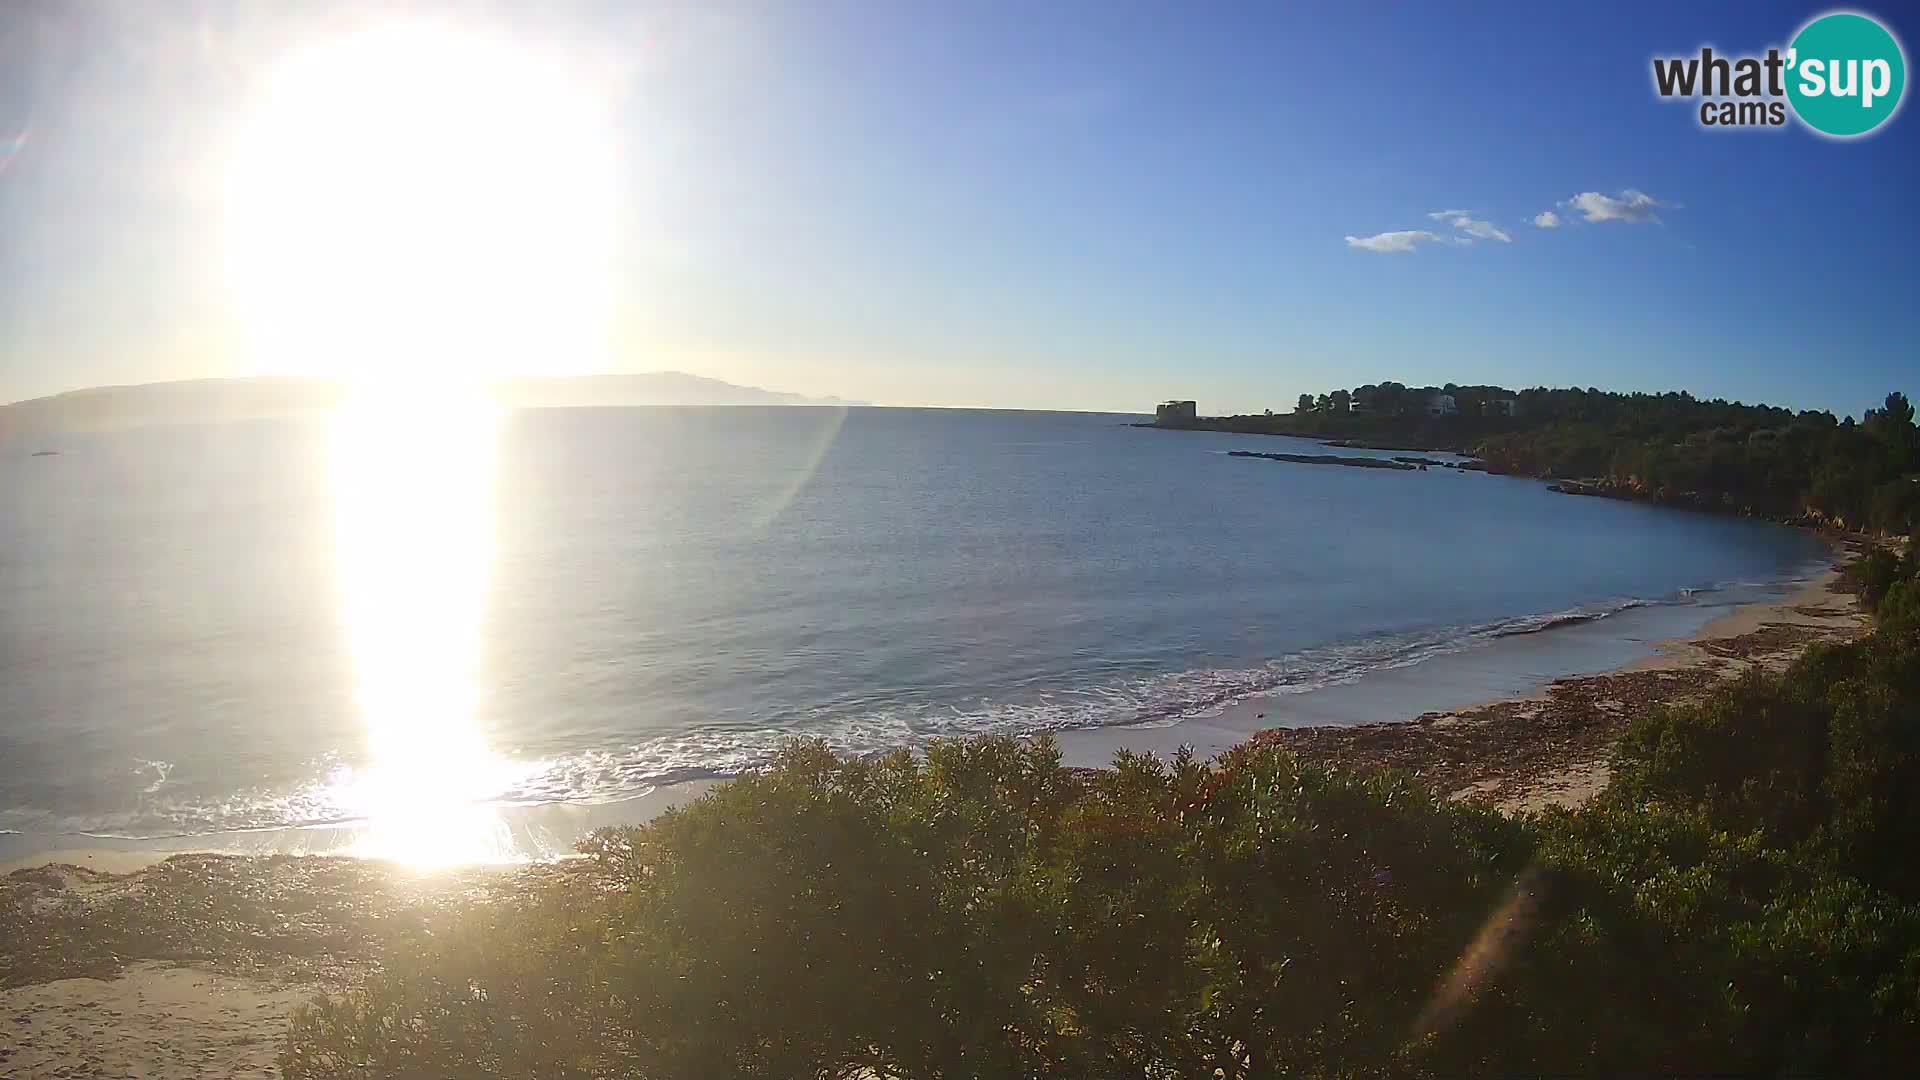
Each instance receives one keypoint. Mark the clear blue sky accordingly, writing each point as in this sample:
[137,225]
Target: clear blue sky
[1064,204]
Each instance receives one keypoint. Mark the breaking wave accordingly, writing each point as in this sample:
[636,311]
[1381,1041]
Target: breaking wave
[610,775]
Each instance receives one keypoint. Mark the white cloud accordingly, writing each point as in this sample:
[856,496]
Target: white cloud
[1472,226]
[1630,206]
[1387,242]
[1485,230]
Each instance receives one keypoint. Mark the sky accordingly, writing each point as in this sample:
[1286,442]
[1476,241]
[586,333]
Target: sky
[1081,205]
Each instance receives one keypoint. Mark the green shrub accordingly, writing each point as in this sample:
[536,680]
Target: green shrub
[1872,574]
[510,990]
[1899,610]
[1752,755]
[1778,965]
[1896,506]
[984,912]
[1872,784]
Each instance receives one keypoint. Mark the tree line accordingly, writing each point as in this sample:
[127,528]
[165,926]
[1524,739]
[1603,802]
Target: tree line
[1755,459]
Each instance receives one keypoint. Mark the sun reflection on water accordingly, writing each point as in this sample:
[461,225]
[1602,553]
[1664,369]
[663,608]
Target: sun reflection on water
[419,206]
[413,483]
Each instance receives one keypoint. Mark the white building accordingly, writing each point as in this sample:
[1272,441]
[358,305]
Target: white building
[1503,406]
[1442,405]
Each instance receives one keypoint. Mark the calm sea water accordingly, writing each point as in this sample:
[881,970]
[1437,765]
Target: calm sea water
[191,641]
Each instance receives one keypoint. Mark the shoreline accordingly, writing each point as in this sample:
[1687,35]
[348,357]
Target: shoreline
[1550,748]
[1366,723]
[1509,669]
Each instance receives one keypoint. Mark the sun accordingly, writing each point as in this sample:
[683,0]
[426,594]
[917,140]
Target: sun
[422,202]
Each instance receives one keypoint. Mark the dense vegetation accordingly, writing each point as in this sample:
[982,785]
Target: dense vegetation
[1753,459]
[1741,900]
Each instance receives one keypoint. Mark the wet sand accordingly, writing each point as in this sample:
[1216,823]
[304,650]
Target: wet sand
[1551,748]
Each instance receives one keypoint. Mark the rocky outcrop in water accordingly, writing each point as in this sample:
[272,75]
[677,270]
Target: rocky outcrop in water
[1328,459]
[1469,465]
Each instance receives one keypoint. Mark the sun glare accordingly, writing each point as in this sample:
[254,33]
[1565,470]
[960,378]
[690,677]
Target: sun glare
[414,548]
[414,202]
[418,211]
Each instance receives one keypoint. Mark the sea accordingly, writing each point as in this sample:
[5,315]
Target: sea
[366,632]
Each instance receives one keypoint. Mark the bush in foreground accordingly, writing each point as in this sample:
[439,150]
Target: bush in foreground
[986,913]
[981,913]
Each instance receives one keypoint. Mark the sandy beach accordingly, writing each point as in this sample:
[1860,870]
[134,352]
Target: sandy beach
[1550,748]
[1619,663]
[191,966]
[137,964]
[155,1020]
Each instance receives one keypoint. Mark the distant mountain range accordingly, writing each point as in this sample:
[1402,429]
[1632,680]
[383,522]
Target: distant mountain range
[200,400]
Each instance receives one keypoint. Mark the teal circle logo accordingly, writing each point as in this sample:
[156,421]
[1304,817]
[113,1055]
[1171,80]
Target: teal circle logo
[1845,74]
